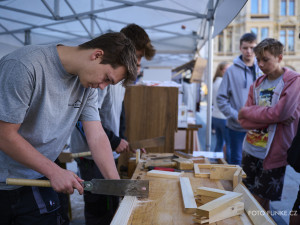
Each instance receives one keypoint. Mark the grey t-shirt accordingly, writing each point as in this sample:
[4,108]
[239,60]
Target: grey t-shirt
[256,140]
[37,92]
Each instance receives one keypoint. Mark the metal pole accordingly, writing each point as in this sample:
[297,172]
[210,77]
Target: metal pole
[92,18]
[209,85]
[27,37]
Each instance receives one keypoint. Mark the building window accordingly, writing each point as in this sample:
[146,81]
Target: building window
[260,7]
[264,33]
[291,40]
[292,8]
[220,42]
[225,41]
[264,6]
[254,7]
[261,33]
[254,30]
[229,40]
[287,38]
[287,7]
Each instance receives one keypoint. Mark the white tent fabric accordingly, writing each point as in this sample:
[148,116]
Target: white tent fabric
[178,29]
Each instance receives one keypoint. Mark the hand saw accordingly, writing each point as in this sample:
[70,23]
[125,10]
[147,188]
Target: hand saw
[138,188]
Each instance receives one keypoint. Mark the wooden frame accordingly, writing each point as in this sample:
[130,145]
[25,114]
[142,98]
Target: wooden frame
[224,204]
[221,172]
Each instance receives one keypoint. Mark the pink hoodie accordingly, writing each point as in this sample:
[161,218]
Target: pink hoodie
[286,105]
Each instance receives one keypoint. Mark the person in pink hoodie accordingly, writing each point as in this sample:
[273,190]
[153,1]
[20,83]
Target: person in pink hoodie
[271,116]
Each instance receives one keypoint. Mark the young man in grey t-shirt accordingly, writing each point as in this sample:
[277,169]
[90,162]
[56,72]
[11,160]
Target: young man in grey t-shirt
[44,91]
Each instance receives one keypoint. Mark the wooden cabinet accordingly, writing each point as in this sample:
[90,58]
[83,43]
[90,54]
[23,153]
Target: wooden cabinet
[152,112]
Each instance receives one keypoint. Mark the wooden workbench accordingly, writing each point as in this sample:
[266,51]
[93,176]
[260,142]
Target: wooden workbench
[164,206]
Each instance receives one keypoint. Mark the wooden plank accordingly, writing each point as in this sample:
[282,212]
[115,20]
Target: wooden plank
[151,112]
[237,177]
[184,164]
[189,202]
[164,174]
[124,211]
[166,163]
[234,210]
[254,210]
[201,199]
[211,192]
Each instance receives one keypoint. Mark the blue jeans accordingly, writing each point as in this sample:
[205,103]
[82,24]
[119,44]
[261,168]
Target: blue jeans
[236,144]
[222,135]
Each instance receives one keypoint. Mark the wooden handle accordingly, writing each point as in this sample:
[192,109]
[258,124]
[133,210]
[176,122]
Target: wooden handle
[28,182]
[81,154]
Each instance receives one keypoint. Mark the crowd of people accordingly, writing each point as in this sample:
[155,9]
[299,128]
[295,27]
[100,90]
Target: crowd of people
[256,114]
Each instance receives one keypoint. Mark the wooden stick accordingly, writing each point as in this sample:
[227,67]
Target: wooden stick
[125,209]
[164,174]
[28,182]
[81,154]
[189,202]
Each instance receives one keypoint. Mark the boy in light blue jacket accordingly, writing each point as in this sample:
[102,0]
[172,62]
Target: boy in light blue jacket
[233,93]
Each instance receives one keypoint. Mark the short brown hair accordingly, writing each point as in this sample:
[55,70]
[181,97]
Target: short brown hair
[272,45]
[248,37]
[118,51]
[140,39]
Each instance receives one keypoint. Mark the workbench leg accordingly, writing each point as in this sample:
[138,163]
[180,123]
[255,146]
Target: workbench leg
[187,141]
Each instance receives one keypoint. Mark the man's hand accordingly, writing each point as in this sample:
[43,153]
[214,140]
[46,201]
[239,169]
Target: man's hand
[288,121]
[65,181]
[241,114]
[123,146]
[142,150]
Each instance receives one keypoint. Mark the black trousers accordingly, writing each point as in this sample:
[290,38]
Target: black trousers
[29,206]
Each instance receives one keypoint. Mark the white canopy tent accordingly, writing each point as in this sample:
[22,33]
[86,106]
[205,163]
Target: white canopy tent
[177,28]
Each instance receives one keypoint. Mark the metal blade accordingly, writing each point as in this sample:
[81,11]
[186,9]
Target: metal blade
[138,188]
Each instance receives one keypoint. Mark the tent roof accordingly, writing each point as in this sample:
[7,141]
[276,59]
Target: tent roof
[178,29]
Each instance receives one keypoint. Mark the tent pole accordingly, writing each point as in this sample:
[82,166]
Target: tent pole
[209,85]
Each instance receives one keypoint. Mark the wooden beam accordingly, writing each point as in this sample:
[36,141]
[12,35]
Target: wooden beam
[211,192]
[237,177]
[164,174]
[189,202]
[234,210]
[254,210]
[184,164]
[124,211]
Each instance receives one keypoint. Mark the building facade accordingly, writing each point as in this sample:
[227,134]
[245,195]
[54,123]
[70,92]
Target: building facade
[278,19]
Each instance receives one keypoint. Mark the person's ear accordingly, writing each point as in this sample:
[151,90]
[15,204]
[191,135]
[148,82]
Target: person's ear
[97,54]
[280,57]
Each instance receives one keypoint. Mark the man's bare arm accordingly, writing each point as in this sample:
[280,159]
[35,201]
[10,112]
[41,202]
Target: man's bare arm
[100,148]
[15,146]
